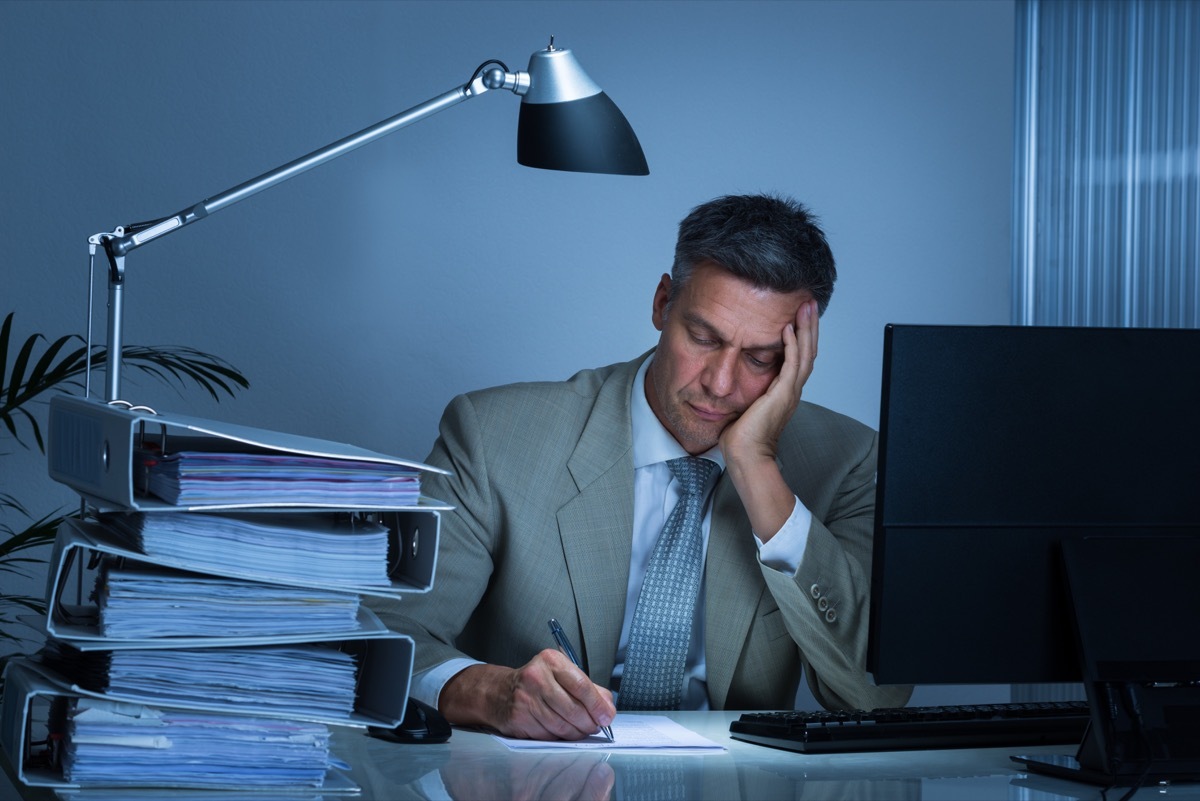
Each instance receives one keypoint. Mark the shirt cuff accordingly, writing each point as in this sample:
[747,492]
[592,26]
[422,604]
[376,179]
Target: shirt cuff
[784,551]
[427,685]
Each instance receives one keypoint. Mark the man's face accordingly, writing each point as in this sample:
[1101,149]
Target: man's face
[721,345]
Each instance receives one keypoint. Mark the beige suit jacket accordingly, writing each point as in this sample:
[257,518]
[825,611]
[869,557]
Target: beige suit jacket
[542,481]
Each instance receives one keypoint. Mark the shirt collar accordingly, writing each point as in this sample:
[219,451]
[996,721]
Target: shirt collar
[652,443]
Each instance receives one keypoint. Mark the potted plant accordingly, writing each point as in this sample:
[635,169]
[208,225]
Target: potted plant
[31,372]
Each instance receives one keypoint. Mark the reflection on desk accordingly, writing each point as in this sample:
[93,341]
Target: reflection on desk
[475,767]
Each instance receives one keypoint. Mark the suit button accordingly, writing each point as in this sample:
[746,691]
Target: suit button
[830,615]
[823,603]
[815,591]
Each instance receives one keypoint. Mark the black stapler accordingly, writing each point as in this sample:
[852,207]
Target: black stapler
[421,724]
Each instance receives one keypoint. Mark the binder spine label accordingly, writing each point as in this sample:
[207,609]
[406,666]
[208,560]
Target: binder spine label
[77,448]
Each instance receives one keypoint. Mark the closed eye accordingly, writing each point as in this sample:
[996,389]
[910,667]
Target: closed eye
[762,364]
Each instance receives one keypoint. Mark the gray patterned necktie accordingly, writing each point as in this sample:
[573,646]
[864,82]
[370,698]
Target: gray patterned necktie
[662,622]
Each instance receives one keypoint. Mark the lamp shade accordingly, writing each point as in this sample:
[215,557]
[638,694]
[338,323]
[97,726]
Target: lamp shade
[568,123]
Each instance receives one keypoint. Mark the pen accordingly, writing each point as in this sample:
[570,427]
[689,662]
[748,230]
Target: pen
[560,637]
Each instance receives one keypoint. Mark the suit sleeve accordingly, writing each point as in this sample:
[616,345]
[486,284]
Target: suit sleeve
[826,604]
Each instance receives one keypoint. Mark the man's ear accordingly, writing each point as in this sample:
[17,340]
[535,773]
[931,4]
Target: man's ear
[662,296]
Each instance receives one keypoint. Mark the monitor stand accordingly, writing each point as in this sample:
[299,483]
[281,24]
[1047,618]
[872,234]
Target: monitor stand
[1142,734]
[1135,601]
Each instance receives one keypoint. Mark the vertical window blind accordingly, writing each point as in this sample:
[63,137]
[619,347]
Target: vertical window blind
[1107,189]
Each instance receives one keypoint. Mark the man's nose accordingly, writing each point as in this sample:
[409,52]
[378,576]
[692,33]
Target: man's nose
[719,373]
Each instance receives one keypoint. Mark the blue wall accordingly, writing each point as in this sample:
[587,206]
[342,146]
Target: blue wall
[361,296]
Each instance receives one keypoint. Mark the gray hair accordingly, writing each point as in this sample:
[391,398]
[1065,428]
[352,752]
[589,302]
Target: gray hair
[772,241]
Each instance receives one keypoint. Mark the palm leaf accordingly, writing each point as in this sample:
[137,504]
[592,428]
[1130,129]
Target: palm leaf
[5,334]
[8,501]
[40,532]
[60,366]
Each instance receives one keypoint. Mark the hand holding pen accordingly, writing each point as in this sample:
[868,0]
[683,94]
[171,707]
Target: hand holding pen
[564,645]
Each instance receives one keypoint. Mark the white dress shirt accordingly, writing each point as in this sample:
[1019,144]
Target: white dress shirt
[655,493]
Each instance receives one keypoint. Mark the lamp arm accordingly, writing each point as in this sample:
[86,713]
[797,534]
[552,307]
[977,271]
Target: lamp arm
[127,238]
[135,235]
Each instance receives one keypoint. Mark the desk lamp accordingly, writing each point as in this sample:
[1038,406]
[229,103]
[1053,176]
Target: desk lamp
[566,123]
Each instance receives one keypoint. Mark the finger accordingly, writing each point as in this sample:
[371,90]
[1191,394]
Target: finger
[813,319]
[806,340]
[596,700]
[581,704]
[791,345]
[536,702]
[560,698]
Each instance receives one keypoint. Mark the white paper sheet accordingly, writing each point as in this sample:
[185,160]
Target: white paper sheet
[656,733]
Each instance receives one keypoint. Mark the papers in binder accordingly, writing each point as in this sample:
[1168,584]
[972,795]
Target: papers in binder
[333,550]
[207,751]
[142,601]
[198,478]
[128,745]
[307,681]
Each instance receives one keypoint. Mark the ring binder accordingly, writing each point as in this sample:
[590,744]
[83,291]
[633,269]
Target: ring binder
[84,540]
[93,448]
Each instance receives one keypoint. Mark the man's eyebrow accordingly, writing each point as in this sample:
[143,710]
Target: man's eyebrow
[695,320]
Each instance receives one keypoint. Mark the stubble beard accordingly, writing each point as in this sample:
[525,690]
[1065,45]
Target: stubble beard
[695,435]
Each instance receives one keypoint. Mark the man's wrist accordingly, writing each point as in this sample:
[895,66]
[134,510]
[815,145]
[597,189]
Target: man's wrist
[768,499]
[427,685]
[467,697]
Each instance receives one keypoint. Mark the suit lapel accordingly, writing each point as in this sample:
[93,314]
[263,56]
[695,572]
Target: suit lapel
[731,573]
[596,525]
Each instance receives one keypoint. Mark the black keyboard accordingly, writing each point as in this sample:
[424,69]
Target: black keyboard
[917,727]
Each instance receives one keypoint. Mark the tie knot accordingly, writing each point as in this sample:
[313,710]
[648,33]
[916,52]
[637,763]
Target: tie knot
[692,472]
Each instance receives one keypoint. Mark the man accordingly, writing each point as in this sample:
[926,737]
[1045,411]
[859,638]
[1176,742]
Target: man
[562,489]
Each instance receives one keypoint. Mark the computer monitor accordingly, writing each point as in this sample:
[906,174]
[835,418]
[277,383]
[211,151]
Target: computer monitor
[997,443]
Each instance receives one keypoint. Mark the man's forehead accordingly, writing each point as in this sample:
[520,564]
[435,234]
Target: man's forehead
[748,333]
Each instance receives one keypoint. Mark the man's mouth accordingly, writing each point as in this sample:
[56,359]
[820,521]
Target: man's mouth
[710,415]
